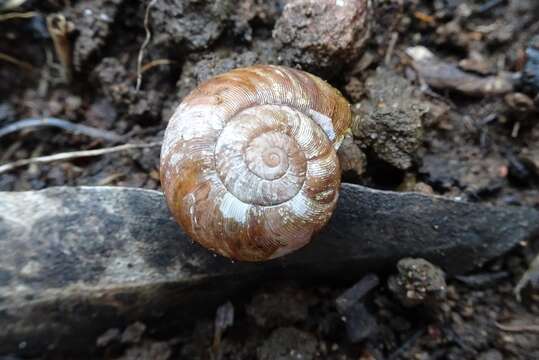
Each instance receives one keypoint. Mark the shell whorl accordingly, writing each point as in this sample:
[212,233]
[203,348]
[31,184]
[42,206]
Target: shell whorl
[248,163]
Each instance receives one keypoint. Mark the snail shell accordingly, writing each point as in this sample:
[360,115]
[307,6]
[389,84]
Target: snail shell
[248,163]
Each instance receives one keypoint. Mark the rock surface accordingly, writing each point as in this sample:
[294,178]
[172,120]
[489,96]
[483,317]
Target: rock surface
[389,120]
[360,323]
[322,34]
[83,260]
[418,281]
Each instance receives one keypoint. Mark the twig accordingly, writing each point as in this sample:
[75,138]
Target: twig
[62,124]
[155,63]
[407,344]
[144,44]
[10,151]
[224,318]
[391,47]
[22,64]
[519,328]
[426,18]
[74,155]
[10,4]
[18,15]
[516,129]
[489,5]
[151,65]
[530,275]
[109,179]
[60,29]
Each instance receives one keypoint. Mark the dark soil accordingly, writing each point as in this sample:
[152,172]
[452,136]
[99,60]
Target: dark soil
[481,148]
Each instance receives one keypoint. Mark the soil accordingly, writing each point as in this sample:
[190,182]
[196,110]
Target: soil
[477,148]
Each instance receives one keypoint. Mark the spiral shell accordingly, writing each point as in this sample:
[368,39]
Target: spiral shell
[248,163]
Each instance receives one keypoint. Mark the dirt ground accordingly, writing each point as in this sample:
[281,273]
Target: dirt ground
[476,145]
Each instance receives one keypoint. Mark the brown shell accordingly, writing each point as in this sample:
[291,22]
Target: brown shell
[249,165]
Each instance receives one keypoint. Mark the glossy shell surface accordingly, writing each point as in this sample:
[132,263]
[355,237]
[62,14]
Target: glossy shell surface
[248,163]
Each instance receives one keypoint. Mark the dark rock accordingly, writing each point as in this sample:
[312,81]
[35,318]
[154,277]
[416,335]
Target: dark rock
[418,282]
[82,260]
[322,36]
[389,120]
[288,343]
[354,294]
[360,323]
